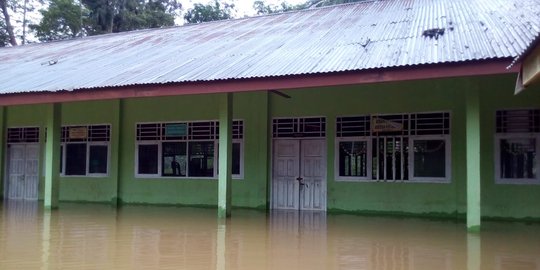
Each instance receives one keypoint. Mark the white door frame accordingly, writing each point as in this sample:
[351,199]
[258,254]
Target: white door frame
[325,162]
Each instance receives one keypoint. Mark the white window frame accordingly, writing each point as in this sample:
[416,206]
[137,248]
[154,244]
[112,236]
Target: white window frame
[216,154]
[88,143]
[160,154]
[366,178]
[87,173]
[147,175]
[447,153]
[497,147]
[410,166]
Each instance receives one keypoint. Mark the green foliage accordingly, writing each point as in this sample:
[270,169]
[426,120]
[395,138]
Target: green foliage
[61,20]
[210,12]
[100,16]
[134,15]
[263,8]
[68,18]
[323,3]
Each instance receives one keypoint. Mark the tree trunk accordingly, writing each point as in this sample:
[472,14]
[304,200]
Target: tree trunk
[9,28]
[111,22]
[24,22]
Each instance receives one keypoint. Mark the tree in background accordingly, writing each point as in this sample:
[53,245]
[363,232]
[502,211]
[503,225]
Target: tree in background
[133,15]
[67,18]
[4,37]
[63,19]
[111,16]
[210,12]
[6,23]
[262,8]
[14,19]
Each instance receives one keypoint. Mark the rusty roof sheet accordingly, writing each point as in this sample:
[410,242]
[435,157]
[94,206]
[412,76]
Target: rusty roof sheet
[350,37]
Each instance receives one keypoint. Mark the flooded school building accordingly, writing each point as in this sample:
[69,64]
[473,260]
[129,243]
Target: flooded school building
[406,108]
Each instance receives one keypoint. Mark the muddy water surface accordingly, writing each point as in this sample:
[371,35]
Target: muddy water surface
[82,236]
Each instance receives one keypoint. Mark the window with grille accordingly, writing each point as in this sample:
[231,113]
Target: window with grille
[85,150]
[184,149]
[23,135]
[517,146]
[393,147]
[308,127]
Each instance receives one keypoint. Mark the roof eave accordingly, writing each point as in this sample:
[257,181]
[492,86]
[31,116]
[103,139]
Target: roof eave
[421,72]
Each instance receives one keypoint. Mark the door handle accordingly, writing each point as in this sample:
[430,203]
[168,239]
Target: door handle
[301,181]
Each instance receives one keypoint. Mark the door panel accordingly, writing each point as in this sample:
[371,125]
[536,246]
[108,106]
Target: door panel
[16,172]
[286,167]
[313,192]
[31,177]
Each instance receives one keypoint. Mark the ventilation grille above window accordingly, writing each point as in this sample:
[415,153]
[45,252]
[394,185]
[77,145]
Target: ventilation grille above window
[23,135]
[90,133]
[313,127]
[353,126]
[518,121]
[394,125]
[237,129]
[203,130]
[430,123]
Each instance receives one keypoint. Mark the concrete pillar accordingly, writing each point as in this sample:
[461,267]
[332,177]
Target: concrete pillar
[474,251]
[221,244]
[52,156]
[225,155]
[116,136]
[3,150]
[473,160]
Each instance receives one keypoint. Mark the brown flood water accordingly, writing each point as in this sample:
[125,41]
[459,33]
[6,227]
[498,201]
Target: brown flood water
[82,236]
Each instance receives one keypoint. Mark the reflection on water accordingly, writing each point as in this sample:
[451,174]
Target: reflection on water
[142,237]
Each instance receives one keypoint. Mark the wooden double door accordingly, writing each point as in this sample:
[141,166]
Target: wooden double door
[299,174]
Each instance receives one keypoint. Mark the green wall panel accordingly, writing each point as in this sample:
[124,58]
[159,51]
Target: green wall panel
[504,200]
[417,96]
[247,192]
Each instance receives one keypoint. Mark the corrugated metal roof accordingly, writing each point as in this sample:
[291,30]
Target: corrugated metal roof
[366,35]
[523,54]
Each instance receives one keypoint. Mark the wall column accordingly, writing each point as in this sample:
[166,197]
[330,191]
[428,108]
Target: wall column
[225,155]
[473,159]
[3,149]
[52,156]
[116,135]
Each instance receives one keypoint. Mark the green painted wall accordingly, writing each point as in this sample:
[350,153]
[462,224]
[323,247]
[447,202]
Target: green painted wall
[496,92]
[247,192]
[418,96]
[503,200]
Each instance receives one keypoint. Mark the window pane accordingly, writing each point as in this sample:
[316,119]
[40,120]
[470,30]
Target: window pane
[148,159]
[98,159]
[201,159]
[390,159]
[61,159]
[353,159]
[518,158]
[174,159]
[236,154]
[236,158]
[429,158]
[75,159]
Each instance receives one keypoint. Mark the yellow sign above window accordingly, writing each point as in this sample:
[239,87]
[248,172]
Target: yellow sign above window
[78,132]
[382,125]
